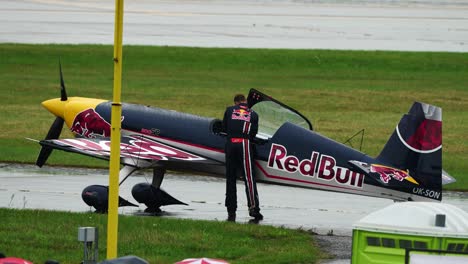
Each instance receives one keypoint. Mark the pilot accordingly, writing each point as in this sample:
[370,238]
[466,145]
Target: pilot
[241,125]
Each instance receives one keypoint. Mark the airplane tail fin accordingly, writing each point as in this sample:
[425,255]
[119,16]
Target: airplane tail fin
[416,147]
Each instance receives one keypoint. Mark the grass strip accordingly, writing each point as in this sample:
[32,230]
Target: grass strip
[39,235]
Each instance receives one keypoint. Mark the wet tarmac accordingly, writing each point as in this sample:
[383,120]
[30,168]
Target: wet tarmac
[421,25]
[329,215]
[25,186]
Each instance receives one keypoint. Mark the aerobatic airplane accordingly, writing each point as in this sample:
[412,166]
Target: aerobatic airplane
[288,151]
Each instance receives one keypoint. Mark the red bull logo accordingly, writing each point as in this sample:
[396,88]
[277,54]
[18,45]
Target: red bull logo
[90,124]
[131,147]
[320,166]
[388,173]
[241,114]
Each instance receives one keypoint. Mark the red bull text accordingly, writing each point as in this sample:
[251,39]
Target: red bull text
[131,147]
[320,166]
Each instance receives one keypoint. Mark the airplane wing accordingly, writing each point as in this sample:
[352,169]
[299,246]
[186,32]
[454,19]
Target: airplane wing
[447,178]
[136,150]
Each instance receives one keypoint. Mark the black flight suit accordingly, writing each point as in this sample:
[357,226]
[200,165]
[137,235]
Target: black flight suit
[241,125]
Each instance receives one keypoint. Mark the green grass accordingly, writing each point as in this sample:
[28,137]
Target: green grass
[38,235]
[341,92]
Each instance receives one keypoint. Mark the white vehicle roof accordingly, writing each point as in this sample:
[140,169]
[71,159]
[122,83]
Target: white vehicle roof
[417,218]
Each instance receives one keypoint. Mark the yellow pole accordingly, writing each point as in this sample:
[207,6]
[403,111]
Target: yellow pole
[114,164]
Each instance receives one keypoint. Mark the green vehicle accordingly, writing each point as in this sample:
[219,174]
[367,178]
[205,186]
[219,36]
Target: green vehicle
[393,234]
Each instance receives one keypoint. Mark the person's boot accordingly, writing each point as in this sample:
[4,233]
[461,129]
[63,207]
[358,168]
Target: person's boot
[231,216]
[256,214]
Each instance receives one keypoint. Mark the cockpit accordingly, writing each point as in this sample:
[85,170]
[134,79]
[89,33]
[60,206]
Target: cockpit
[273,114]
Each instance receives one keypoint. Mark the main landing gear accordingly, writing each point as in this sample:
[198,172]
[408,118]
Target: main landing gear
[149,194]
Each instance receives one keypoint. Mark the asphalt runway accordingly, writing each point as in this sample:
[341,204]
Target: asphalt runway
[421,25]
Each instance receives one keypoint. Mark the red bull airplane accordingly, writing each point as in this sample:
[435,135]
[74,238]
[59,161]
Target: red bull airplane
[288,151]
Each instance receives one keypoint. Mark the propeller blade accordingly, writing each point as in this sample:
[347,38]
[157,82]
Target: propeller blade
[63,92]
[54,133]
[56,128]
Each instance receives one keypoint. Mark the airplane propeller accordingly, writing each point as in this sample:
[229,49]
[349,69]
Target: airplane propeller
[56,127]
[63,92]
[54,133]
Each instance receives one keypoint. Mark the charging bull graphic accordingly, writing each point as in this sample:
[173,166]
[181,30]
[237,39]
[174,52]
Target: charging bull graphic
[90,124]
[241,114]
[387,173]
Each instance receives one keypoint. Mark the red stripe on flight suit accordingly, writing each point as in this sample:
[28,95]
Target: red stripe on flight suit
[248,165]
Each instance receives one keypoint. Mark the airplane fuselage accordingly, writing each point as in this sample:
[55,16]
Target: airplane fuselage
[292,156]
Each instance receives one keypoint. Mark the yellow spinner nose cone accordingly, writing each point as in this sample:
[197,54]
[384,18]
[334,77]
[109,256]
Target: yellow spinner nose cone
[55,106]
